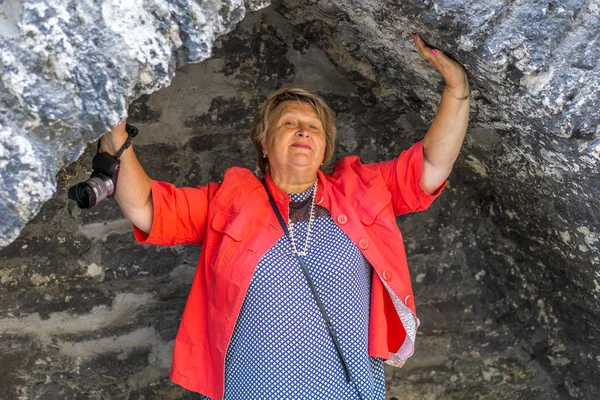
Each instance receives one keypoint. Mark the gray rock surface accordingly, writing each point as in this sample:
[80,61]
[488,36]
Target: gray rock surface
[69,69]
[504,264]
[535,76]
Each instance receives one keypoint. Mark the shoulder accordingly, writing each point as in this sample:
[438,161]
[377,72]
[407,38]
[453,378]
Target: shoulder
[239,174]
[354,178]
[352,166]
[237,186]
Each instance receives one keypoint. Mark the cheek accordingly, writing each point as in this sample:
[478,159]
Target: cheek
[322,148]
[269,142]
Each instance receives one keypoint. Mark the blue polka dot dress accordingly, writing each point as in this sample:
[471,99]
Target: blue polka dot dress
[280,348]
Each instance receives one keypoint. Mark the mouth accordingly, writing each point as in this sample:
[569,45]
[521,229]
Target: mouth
[301,146]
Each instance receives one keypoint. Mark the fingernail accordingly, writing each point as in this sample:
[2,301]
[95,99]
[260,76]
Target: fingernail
[434,52]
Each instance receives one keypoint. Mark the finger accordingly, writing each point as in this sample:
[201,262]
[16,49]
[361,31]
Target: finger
[442,60]
[434,56]
[452,72]
[422,48]
[437,59]
[431,56]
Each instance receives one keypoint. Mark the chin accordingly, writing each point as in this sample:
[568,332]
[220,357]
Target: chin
[305,166]
[302,162]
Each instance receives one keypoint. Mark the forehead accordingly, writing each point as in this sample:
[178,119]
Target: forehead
[299,108]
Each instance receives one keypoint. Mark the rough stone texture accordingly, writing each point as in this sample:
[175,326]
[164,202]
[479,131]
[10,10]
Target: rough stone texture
[506,293]
[535,131]
[70,68]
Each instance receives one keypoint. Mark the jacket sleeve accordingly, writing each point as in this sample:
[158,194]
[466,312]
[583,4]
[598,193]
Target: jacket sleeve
[403,178]
[180,214]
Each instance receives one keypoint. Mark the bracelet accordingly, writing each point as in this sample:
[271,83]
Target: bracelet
[456,97]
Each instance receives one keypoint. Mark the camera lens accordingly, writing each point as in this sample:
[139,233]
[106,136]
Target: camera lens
[91,192]
[83,194]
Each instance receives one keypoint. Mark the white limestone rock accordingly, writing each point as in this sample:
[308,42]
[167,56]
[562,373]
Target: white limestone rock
[70,68]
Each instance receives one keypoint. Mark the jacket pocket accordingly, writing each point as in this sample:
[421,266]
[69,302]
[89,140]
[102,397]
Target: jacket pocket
[229,233]
[372,203]
[231,225]
[376,214]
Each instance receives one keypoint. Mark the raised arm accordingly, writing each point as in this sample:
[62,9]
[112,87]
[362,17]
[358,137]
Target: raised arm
[133,191]
[445,136]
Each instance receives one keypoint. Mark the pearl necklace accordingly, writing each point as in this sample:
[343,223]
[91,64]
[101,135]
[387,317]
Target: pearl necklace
[308,229]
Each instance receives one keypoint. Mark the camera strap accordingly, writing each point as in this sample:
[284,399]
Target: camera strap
[132,132]
[313,289]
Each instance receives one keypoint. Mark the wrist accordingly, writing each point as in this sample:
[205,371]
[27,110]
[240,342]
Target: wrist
[460,94]
[112,143]
[458,86]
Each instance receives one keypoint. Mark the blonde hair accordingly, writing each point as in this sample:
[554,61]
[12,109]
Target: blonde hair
[260,128]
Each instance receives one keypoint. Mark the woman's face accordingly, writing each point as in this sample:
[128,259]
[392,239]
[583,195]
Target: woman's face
[296,139]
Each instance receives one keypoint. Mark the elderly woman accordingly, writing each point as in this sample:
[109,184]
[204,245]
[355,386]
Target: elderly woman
[302,288]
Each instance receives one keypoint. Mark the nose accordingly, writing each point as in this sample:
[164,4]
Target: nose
[303,132]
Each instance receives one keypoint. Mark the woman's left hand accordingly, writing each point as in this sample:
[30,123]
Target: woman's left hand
[453,73]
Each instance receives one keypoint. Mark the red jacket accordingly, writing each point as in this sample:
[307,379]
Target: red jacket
[235,225]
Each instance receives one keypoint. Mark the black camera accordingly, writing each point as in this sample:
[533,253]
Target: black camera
[101,184]
[103,181]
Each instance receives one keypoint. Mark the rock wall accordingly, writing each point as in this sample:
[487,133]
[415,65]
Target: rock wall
[69,69]
[535,126]
[505,289]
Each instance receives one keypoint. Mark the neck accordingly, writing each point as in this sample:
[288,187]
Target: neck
[294,184]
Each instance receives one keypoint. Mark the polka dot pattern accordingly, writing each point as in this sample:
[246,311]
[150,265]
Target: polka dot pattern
[280,348]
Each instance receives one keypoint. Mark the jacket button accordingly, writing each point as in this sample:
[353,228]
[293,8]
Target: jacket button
[319,200]
[387,275]
[342,219]
[363,244]
[409,300]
